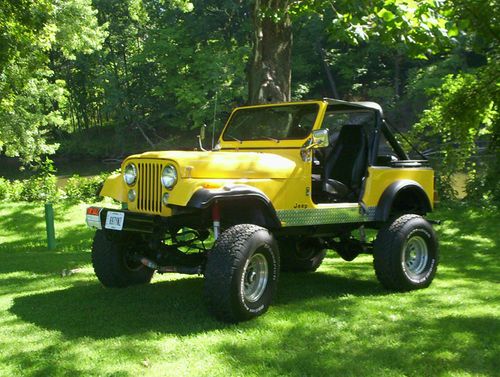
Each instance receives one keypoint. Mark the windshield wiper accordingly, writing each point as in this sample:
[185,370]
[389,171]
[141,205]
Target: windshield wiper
[270,138]
[233,138]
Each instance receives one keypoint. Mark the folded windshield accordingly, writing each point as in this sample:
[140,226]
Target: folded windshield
[272,123]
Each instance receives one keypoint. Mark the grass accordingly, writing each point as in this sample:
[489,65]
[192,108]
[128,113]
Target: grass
[337,321]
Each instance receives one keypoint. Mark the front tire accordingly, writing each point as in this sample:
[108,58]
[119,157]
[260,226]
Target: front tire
[406,254]
[112,262]
[242,272]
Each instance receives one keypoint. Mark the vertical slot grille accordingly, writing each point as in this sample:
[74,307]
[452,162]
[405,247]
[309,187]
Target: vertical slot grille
[149,188]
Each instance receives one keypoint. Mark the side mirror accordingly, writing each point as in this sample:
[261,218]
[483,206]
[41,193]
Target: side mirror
[202,132]
[320,138]
[201,137]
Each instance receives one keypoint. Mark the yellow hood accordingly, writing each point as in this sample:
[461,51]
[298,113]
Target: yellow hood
[232,165]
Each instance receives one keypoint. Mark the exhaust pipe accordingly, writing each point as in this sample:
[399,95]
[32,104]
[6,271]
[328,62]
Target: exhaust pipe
[197,270]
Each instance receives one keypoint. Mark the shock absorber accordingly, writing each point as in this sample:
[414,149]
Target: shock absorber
[216,219]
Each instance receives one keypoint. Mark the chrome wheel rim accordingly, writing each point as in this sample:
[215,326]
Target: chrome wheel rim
[415,256]
[255,277]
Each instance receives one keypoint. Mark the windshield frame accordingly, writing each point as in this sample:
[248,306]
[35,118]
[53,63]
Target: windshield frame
[227,138]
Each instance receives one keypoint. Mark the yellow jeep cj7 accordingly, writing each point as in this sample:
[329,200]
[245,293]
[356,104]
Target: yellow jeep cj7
[284,183]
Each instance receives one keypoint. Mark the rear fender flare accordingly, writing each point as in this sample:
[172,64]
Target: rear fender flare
[391,193]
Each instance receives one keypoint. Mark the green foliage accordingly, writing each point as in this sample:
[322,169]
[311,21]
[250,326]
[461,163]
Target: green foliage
[159,70]
[141,64]
[27,112]
[32,96]
[461,116]
[414,28]
[4,189]
[102,143]
[10,191]
[84,189]
[76,28]
[462,122]
[43,187]
[151,70]
[39,188]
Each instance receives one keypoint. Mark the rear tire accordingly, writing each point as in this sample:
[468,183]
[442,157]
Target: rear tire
[242,272]
[406,254]
[113,265]
[300,256]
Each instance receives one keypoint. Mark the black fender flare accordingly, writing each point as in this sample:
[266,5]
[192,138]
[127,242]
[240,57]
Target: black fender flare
[204,198]
[386,201]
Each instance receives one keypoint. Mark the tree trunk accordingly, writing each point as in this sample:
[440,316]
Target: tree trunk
[269,73]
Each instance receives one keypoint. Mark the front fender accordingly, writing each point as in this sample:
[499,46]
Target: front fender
[243,201]
[203,198]
[114,187]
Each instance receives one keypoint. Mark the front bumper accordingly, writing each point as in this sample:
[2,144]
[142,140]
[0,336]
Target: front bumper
[123,220]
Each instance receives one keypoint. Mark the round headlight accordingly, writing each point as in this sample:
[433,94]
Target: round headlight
[169,176]
[130,174]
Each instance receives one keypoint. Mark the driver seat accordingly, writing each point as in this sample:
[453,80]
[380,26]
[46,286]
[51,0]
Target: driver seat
[345,166]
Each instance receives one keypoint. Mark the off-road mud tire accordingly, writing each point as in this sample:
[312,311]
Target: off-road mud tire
[396,242]
[111,264]
[229,270]
[300,256]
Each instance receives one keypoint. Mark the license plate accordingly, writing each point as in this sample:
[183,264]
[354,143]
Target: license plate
[114,220]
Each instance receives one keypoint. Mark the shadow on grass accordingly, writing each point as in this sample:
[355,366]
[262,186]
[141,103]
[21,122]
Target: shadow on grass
[90,310]
[323,325]
[33,256]
[24,249]
[177,306]
[25,219]
[24,229]
[454,345]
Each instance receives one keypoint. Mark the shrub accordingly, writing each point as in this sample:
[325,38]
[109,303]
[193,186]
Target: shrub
[16,187]
[39,188]
[43,188]
[85,189]
[463,117]
[10,190]
[4,189]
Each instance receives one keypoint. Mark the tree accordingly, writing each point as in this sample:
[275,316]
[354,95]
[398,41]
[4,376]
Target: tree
[269,72]
[31,97]
[410,26]
[463,121]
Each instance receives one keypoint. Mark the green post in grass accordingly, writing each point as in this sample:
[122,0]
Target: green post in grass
[49,221]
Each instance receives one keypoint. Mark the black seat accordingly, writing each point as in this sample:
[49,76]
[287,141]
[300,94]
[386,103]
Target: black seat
[345,166]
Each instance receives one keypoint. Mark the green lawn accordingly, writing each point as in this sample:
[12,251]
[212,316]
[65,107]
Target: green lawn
[337,321]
